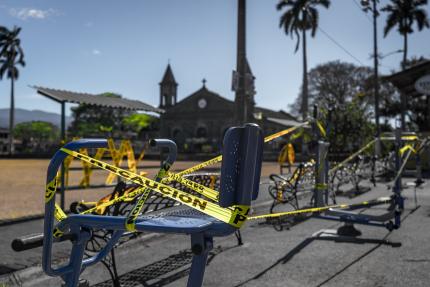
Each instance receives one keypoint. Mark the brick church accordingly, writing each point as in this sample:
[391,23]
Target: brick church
[198,122]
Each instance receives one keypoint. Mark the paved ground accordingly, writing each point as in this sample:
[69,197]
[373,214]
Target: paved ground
[268,257]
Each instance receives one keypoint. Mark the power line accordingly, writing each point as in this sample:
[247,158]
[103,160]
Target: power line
[340,46]
[365,14]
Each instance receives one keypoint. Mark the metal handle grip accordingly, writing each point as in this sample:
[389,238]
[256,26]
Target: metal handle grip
[170,145]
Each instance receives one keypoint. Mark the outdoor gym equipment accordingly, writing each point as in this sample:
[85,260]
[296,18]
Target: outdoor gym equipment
[390,219]
[240,172]
[100,237]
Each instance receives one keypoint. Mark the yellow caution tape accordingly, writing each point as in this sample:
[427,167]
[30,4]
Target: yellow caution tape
[234,216]
[197,187]
[284,132]
[287,154]
[102,204]
[201,166]
[205,191]
[291,154]
[405,148]
[59,214]
[351,157]
[130,223]
[283,155]
[219,158]
[321,128]
[382,200]
[51,189]
[125,149]
[85,182]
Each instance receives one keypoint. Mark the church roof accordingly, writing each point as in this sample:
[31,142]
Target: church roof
[168,76]
[203,91]
[266,113]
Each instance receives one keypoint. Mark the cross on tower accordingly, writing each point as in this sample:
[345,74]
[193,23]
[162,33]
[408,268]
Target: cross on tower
[204,82]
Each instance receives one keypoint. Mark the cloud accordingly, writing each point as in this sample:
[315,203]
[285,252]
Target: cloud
[96,52]
[89,24]
[31,13]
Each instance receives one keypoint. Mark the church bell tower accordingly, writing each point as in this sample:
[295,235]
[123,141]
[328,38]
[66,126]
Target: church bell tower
[168,89]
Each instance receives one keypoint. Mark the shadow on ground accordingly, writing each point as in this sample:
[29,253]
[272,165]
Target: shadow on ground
[162,272]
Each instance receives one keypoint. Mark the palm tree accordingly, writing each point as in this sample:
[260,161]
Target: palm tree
[301,15]
[11,55]
[404,14]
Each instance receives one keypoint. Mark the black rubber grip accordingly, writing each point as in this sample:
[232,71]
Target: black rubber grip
[27,242]
[35,240]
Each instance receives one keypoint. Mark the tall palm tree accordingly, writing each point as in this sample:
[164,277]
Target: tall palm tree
[404,14]
[300,16]
[11,55]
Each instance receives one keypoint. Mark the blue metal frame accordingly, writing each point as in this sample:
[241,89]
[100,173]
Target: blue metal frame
[81,236]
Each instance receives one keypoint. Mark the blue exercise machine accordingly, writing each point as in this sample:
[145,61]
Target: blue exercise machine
[390,219]
[240,176]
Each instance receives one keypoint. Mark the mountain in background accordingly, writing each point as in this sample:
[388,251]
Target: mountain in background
[22,115]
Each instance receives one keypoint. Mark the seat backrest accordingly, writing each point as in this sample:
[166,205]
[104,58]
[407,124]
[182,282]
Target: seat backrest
[241,165]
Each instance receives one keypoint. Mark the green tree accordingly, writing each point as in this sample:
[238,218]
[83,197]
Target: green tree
[94,121]
[139,122]
[300,16]
[404,14]
[11,55]
[36,134]
[346,90]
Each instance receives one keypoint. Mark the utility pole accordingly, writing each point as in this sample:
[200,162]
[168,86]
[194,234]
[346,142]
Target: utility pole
[375,13]
[241,102]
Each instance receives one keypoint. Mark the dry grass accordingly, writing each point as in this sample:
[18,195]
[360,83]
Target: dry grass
[22,184]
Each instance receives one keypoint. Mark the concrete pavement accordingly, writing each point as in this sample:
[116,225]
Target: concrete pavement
[268,257]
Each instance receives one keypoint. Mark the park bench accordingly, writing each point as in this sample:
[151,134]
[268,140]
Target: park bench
[286,189]
[240,174]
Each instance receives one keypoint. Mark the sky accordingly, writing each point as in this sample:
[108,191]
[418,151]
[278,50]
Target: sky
[124,47]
